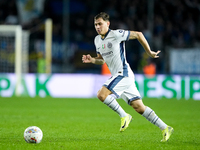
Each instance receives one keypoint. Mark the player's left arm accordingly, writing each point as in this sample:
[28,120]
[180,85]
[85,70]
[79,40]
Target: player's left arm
[140,37]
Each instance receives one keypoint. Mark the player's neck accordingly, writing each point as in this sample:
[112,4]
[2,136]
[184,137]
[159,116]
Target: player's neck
[104,35]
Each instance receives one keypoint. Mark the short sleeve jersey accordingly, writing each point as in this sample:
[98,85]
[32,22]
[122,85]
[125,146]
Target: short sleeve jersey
[112,49]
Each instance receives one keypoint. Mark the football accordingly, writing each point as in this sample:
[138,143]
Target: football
[33,134]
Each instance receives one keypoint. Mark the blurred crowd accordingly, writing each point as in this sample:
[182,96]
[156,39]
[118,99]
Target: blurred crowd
[176,23]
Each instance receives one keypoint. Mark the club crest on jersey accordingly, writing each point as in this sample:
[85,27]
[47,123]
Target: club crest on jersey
[103,46]
[109,45]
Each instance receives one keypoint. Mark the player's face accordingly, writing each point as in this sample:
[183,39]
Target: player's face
[101,26]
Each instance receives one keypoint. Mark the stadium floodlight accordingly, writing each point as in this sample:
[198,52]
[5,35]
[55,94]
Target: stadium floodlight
[14,44]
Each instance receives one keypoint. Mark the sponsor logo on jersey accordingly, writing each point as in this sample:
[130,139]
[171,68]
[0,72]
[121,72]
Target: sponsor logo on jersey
[108,53]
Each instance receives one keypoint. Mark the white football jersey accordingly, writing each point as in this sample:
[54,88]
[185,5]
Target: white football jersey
[112,49]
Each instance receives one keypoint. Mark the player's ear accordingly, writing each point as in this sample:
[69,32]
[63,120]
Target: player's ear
[108,23]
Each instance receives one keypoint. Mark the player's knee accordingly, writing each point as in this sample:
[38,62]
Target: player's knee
[139,108]
[100,96]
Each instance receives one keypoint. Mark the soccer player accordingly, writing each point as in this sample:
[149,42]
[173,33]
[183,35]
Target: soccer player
[110,48]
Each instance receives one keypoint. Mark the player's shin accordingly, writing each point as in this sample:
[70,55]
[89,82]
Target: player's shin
[111,102]
[150,115]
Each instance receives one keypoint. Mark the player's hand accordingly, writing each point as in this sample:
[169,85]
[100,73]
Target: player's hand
[154,54]
[87,58]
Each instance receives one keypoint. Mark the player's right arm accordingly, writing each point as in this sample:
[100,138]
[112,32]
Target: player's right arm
[94,60]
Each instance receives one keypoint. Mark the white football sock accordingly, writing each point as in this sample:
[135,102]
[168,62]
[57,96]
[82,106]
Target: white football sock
[150,115]
[111,102]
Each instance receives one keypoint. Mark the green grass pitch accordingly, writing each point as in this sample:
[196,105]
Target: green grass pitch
[88,124]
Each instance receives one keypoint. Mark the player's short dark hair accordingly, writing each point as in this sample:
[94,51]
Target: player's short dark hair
[102,15]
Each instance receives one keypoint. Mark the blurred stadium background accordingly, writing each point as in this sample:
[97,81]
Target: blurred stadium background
[170,26]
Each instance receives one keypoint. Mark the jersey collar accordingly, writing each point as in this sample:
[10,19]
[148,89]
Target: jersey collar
[105,34]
